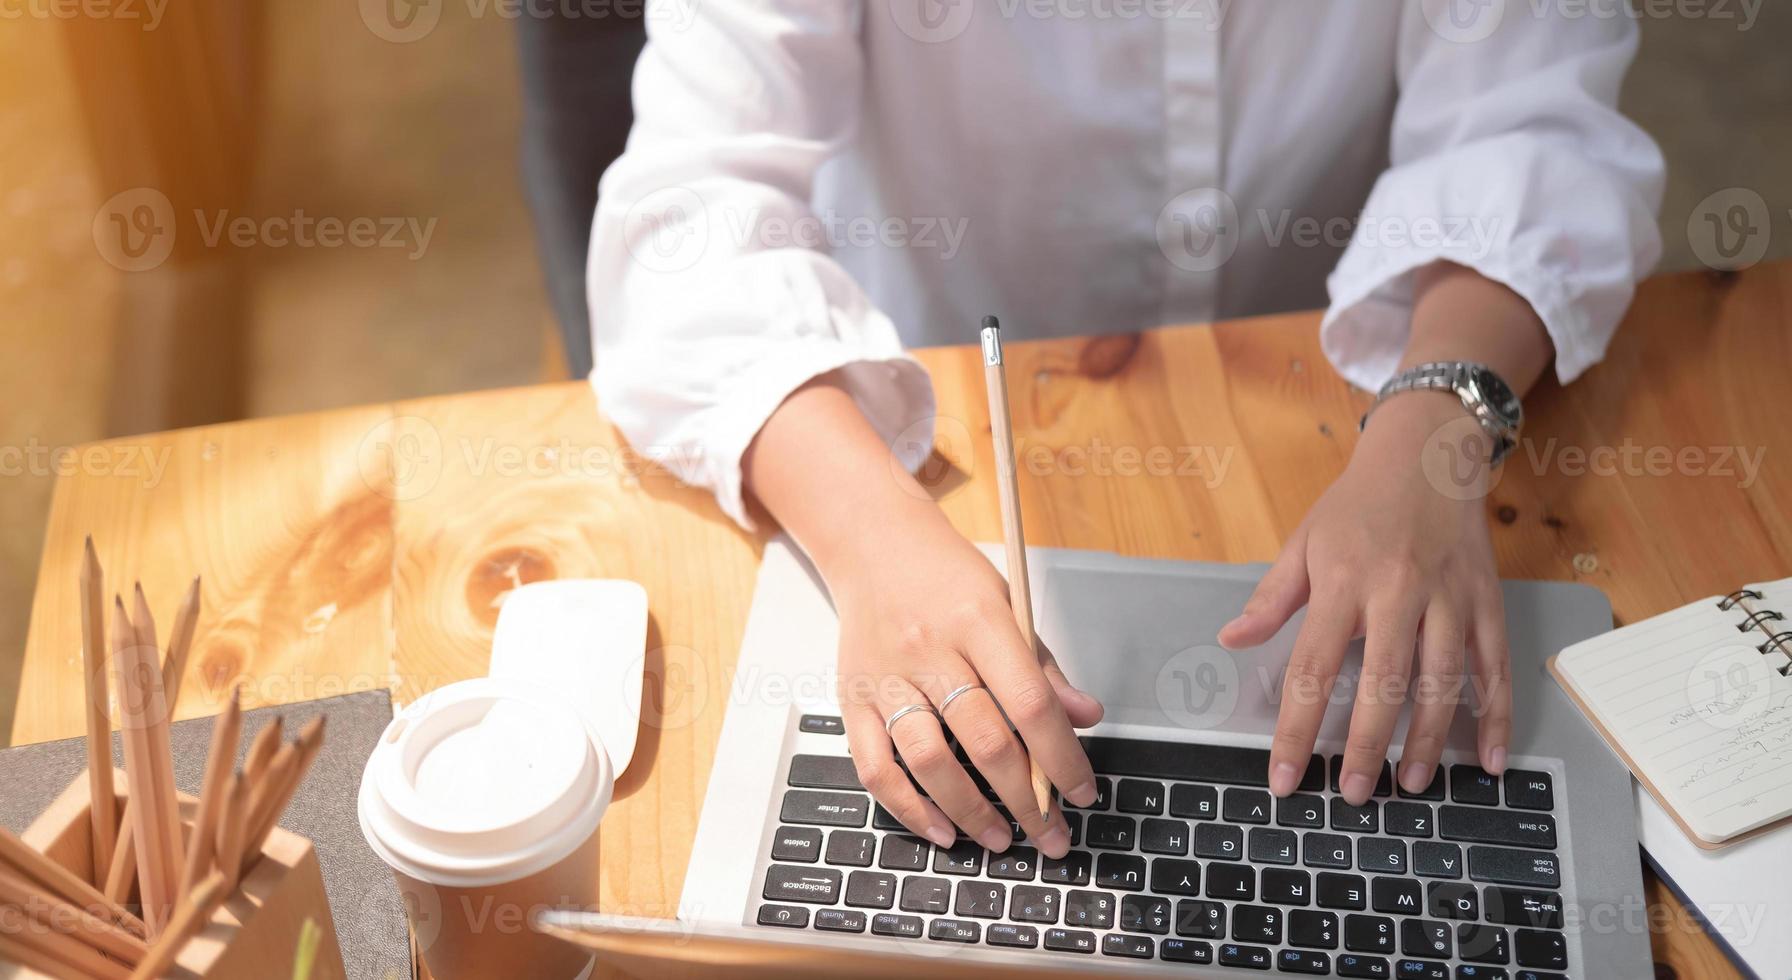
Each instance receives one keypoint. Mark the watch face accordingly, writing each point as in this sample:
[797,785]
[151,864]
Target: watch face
[1497,396]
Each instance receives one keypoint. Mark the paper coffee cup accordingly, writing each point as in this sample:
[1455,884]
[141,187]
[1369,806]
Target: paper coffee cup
[485,797]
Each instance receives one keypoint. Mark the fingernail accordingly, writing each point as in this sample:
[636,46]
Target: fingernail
[1083,795]
[1283,779]
[1357,786]
[942,836]
[1415,777]
[1054,842]
[1496,760]
[997,840]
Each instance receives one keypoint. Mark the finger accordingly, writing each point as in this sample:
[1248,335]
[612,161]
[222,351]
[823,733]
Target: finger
[1281,593]
[993,748]
[922,744]
[1081,707]
[1443,638]
[1011,669]
[1393,619]
[1306,687]
[885,780]
[1491,659]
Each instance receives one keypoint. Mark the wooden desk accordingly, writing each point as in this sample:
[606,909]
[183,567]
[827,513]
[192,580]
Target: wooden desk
[371,547]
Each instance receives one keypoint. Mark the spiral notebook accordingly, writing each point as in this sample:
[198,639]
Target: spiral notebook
[1698,703]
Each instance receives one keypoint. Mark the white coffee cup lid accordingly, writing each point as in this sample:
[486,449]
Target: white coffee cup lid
[484,781]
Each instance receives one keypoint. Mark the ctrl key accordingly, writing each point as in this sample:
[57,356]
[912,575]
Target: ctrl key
[1238,954]
[788,916]
[891,924]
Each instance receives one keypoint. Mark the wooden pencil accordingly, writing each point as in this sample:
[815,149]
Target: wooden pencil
[50,911]
[286,781]
[1020,593]
[231,819]
[192,915]
[72,888]
[220,761]
[13,951]
[262,749]
[142,715]
[103,810]
[65,960]
[161,756]
[180,644]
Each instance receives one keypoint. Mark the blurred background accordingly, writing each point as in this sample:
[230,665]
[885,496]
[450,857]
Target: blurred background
[394,131]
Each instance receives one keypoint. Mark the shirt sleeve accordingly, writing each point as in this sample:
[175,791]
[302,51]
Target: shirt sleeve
[712,293]
[1509,157]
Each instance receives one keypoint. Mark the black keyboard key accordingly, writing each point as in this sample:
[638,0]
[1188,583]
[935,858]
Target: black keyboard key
[1497,827]
[1407,819]
[1074,868]
[1539,975]
[1250,957]
[1315,930]
[1109,832]
[1535,869]
[1434,860]
[1368,934]
[1104,795]
[1139,796]
[1194,802]
[1237,882]
[787,916]
[1303,961]
[1471,971]
[1257,924]
[1426,937]
[851,848]
[870,890]
[1246,806]
[1384,782]
[1224,764]
[1170,876]
[1160,836]
[882,819]
[1364,967]
[1420,970]
[963,858]
[1547,950]
[816,886]
[1473,784]
[1313,780]
[1400,895]
[902,853]
[953,931]
[1009,934]
[1482,944]
[825,809]
[1015,864]
[1452,900]
[1272,846]
[1074,821]
[1092,909]
[1433,791]
[1528,789]
[796,844]
[1070,940]
[1336,891]
[1325,850]
[824,772]
[1184,951]
[1300,810]
[1146,913]
[930,895]
[1034,904]
[890,924]
[1286,886]
[1218,840]
[1200,920]
[1365,819]
[822,724]
[839,920]
[1518,907]
[1381,855]
[980,899]
[1132,947]
[1125,872]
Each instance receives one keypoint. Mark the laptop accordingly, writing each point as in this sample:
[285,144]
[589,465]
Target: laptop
[1185,866]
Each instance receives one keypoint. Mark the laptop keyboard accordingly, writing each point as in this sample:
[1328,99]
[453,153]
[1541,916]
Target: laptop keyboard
[1186,858]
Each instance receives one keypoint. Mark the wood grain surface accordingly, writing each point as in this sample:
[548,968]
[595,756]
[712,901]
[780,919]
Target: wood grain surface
[372,547]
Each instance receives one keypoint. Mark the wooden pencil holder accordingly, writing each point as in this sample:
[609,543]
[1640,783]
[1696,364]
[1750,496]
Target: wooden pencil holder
[254,935]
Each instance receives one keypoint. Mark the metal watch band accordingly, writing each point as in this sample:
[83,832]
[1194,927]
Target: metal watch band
[1458,377]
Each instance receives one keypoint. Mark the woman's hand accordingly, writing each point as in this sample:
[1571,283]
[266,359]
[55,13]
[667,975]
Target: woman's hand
[1388,556]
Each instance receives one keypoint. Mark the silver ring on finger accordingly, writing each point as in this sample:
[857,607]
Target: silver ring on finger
[903,712]
[961,689]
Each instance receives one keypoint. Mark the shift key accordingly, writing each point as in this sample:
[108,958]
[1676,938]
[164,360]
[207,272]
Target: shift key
[826,809]
[1506,866]
[1481,825]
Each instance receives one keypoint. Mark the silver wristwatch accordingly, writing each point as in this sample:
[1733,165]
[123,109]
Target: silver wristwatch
[1486,396]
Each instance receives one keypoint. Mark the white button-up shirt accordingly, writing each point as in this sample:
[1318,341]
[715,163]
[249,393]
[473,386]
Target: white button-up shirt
[812,184]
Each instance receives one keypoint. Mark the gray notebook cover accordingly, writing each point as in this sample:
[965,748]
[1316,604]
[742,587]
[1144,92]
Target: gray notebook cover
[363,899]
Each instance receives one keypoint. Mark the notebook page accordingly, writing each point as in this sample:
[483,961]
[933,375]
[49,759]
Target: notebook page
[1701,716]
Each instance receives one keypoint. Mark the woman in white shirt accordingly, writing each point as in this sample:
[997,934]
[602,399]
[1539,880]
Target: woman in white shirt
[811,184]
